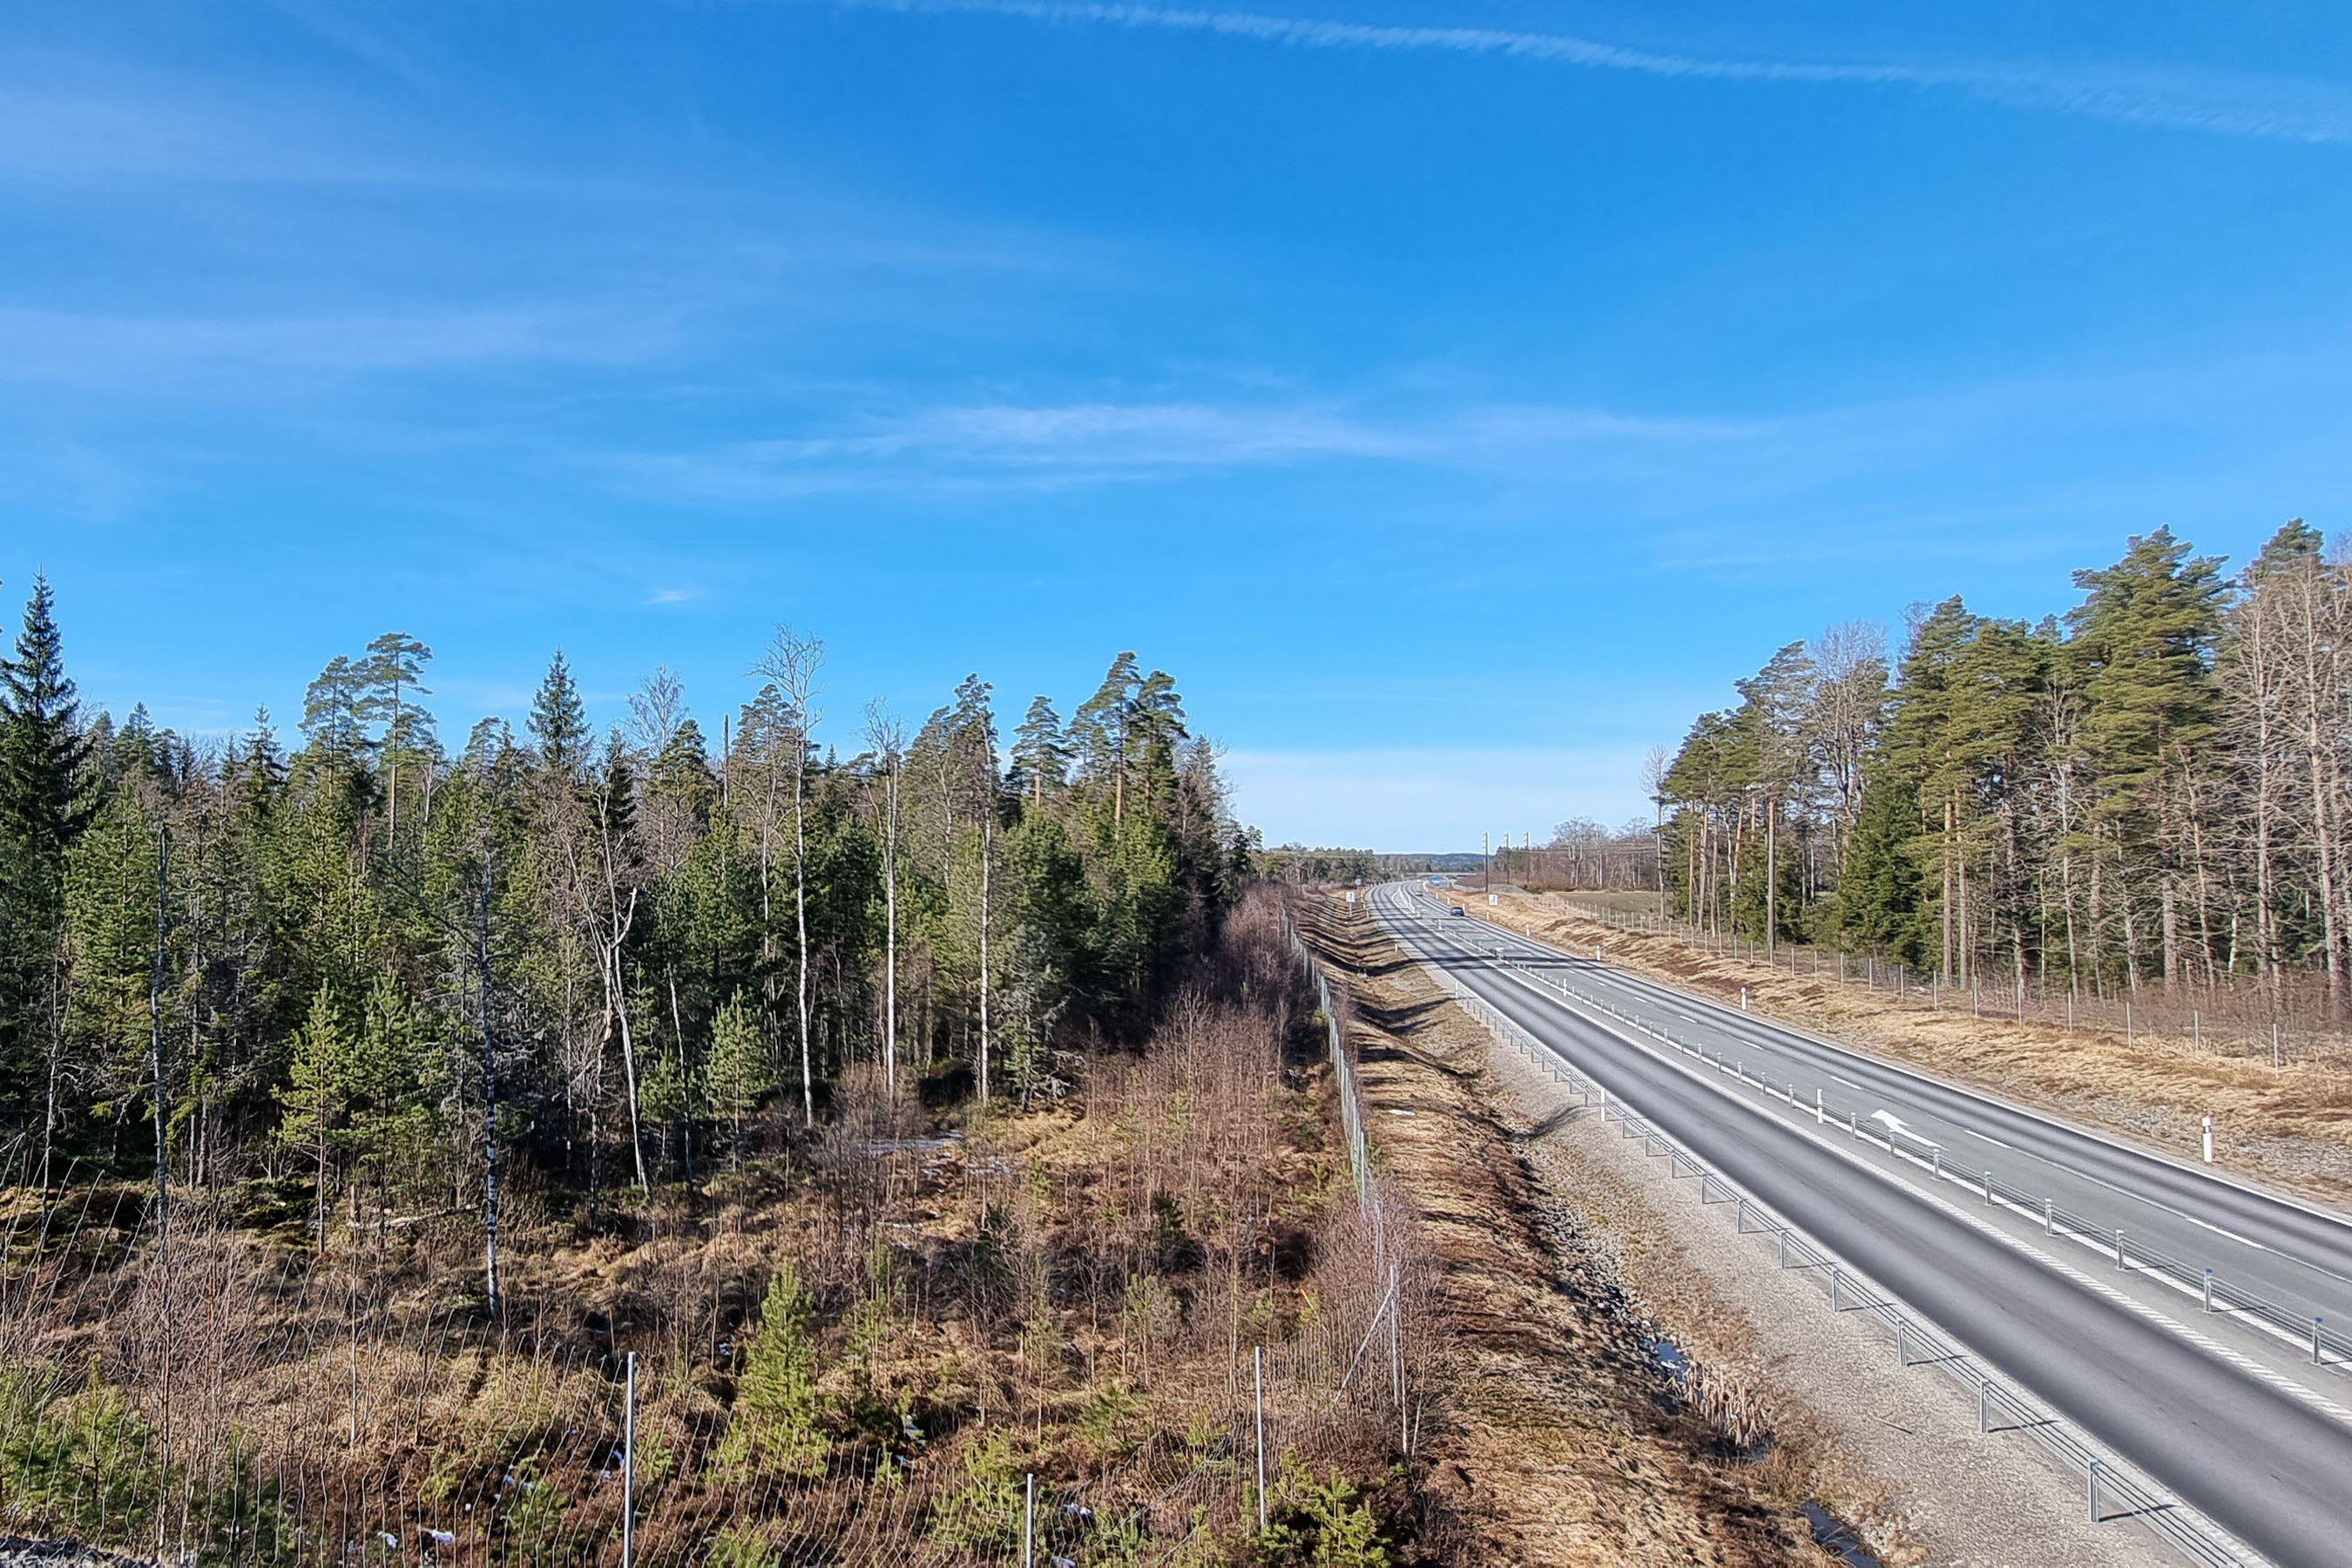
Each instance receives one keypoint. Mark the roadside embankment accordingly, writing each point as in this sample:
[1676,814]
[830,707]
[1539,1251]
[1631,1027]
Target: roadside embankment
[1635,1383]
[2292,1126]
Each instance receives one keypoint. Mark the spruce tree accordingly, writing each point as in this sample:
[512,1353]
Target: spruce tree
[42,750]
[559,722]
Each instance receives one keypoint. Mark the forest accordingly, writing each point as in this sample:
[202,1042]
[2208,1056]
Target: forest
[373,968]
[2152,788]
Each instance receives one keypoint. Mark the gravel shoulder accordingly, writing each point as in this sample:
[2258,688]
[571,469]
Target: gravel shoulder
[1562,1256]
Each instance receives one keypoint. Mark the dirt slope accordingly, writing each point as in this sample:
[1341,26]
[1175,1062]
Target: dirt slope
[1564,1438]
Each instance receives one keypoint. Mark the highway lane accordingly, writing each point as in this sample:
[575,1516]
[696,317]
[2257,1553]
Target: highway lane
[2256,1460]
[2297,1256]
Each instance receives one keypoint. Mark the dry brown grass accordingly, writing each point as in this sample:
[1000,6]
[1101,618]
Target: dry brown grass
[2293,1127]
[1073,1289]
[1563,1436]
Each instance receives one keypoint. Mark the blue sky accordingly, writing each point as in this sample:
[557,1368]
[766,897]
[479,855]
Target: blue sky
[1454,398]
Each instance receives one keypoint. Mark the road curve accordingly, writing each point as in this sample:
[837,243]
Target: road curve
[2262,1465]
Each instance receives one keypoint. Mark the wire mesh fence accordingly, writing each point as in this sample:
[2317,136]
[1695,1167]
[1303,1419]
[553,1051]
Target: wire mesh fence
[2235,1016]
[2114,1488]
[200,1392]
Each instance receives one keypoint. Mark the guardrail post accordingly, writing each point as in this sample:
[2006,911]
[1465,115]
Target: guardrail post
[2208,1289]
[2315,1343]
[1988,1189]
[1984,1405]
[1901,1350]
[1835,1276]
[2049,1217]
[2095,1492]
[2119,1250]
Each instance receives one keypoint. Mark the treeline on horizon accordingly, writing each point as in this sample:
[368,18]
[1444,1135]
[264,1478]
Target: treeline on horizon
[365,961]
[2151,788]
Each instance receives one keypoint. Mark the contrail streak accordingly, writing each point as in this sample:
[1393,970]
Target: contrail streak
[2240,106]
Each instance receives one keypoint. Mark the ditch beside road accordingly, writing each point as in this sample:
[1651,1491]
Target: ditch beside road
[1604,1294]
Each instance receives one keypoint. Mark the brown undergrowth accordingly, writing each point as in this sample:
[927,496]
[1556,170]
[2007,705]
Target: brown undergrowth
[1564,1433]
[2293,1127]
[870,1349]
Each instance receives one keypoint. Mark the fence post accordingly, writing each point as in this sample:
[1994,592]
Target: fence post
[1029,1520]
[629,1465]
[1396,1359]
[1259,1358]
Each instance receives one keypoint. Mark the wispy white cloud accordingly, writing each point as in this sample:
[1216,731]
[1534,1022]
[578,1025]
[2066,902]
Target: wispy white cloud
[1003,444]
[162,353]
[2173,99]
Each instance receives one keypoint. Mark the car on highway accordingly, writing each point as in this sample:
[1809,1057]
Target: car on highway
[1455,909]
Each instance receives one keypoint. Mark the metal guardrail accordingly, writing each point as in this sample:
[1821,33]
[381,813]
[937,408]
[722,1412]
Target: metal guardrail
[2113,1489]
[2329,1347]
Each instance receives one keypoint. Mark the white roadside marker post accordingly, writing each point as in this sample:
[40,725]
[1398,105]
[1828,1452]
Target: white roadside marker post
[2209,1139]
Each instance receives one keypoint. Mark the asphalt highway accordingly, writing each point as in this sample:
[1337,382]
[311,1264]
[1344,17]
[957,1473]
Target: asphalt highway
[2256,1460]
[2294,1256]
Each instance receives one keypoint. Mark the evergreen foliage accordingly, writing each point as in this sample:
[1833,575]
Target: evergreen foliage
[2154,788]
[619,910]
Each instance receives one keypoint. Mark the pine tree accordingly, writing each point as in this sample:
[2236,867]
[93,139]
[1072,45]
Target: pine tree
[1040,755]
[2145,636]
[776,1427]
[1100,731]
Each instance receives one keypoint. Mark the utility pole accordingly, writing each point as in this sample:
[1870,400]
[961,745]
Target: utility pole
[1771,874]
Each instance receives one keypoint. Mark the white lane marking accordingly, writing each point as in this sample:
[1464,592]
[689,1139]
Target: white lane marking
[2177,1163]
[1900,1073]
[1988,1138]
[2232,1235]
[2205,1525]
[1895,1124]
[2235,1358]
